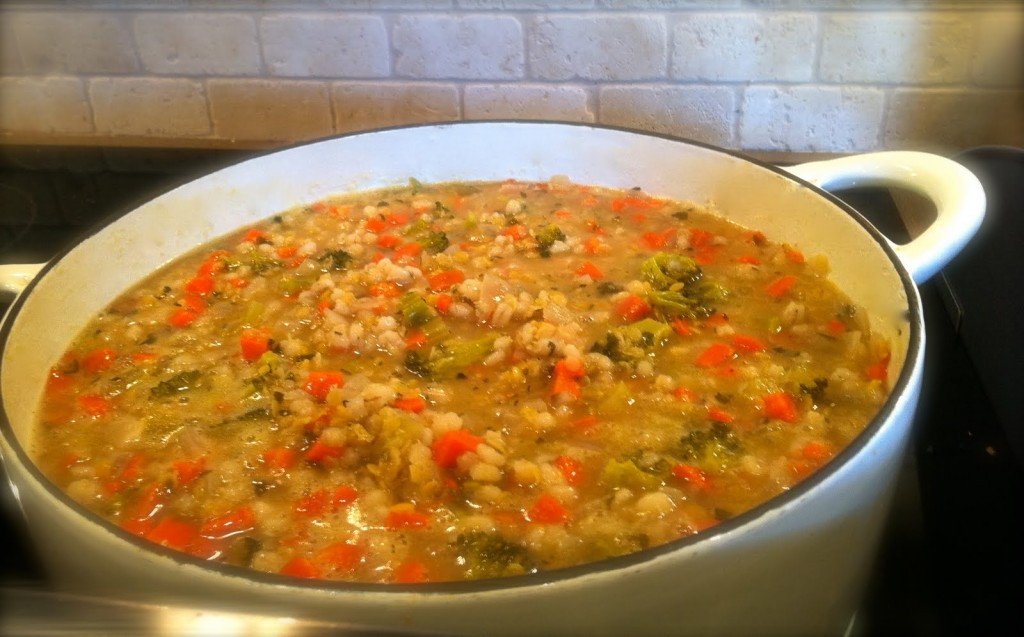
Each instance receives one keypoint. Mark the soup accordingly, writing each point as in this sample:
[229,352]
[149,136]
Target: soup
[459,381]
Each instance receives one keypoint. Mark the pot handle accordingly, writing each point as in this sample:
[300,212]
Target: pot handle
[14,278]
[957,194]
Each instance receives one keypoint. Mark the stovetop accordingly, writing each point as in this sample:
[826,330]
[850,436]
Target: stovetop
[952,554]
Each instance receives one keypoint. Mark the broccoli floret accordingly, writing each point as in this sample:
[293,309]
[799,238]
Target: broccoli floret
[665,270]
[336,259]
[625,473]
[632,342]
[486,555]
[434,242]
[713,448]
[416,363]
[448,358]
[817,392]
[546,237]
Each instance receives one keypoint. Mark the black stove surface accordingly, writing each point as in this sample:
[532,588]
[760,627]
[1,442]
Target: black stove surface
[952,554]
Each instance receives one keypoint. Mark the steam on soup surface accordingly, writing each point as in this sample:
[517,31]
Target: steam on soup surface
[459,381]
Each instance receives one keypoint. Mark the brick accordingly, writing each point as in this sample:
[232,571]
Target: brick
[741,47]
[811,118]
[262,110]
[999,58]
[76,42]
[471,47]
[198,44]
[949,120]
[519,5]
[336,46]
[44,105]
[10,58]
[706,114]
[525,101]
[669,4]
[887,48]
[157,107]
[598,47]
[359,106]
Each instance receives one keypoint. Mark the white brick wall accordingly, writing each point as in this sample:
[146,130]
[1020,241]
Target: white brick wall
[783,75]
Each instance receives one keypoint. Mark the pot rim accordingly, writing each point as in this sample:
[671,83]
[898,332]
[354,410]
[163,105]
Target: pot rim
[620,563]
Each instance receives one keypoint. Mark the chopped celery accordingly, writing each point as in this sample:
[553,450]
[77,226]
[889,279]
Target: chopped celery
[618,474]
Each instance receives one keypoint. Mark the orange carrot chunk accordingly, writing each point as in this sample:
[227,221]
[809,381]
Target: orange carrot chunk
[632,308]
[780,286]
[779,406]
[445,279]
[591,270]
[548,510]
[715,354]
[452,444]
[254,343]
[319,384]
[300,567]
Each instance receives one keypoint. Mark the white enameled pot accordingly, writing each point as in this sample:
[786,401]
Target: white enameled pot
[793,565]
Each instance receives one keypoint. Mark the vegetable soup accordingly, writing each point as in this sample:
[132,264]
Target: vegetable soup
[459,381]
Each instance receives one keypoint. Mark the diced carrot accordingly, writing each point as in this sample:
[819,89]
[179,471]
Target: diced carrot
[411,572]
[397,219]
[375,225]
[56,381]
[706,255]
[657,240]
[278,458]
[443,303]
[632,308]
[516,232]
[749,259]
[694,475]
[816,451]
[143,358]
[793,254]
[200,285]
[622,203]
[194,303]
[415,339]
[591,270]
[312,504]
[699,238]
[231,523]
[452,444]
[415,404]
[445,279]
[584,423]
[592,245]
[254,343]
[683,394]
[715,354]
[548,510]
[149,502]
[716,320]
[780,286]
[173,533]
[300,567]
[388,241]
[340,556]
[571,470]
[564,377]
[779,406]
[320,451]
[835,327]
[386,289]
[404,516]
[562,214]
[638,218]
[286,252]
[253,235]
[98,360]
[319,384]
[238,282]
[182,318]
[746,343]
[879,370]
[719,415]
[407,253]
[682,327]
[95,405]
[186,471]
[342,496]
